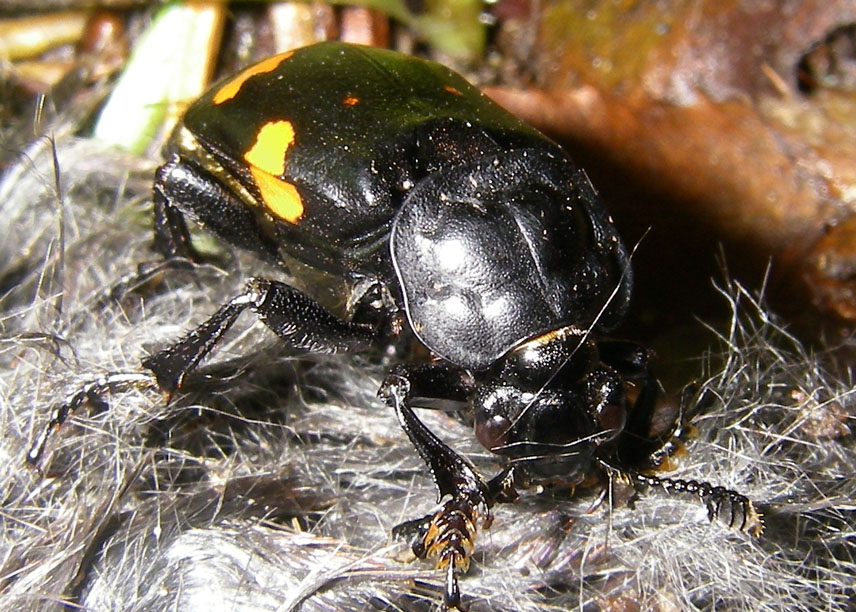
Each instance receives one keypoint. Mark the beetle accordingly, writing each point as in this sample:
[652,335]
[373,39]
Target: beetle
[440,221]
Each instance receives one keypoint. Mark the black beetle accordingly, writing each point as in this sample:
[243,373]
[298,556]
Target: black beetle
[440,219]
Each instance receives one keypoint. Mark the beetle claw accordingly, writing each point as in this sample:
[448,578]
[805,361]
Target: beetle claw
[452,594]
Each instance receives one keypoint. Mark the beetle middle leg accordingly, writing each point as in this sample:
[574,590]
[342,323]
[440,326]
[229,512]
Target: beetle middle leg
[171,236]
[288,312]
[184,189]
[648,433]
[291,314]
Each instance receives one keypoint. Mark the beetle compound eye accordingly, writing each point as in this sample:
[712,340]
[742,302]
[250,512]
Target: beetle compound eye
[492,433]
[495,408]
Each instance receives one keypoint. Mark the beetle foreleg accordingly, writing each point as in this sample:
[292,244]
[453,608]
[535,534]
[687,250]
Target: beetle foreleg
[289,313]
[636,443]
[447,534]
[435,381]
[452,474]
[732,508]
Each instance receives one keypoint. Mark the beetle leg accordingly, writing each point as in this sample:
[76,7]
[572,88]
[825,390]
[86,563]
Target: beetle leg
[630,359]
[182,187]
[633,362]
[172,240]
[452,474]
[728,506]
[435,381]
[289,313]
[89,393]
[637,444]
[447,534]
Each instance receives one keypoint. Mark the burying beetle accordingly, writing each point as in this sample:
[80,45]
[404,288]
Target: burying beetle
[437,218]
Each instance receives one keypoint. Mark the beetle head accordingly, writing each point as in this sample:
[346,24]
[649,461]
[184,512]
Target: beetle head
[549,405]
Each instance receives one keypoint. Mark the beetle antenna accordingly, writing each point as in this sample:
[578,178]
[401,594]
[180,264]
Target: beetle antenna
[595,438]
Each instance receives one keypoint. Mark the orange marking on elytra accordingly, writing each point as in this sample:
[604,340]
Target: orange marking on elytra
[232,87]
[280,197]
[272,142]
[266,159]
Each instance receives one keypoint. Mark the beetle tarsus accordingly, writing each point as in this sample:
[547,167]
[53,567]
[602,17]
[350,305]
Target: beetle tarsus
[447,535]
[728,506]
[452,592]
[89,393]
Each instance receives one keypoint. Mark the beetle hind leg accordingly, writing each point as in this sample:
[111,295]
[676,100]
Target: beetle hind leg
[291,314]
